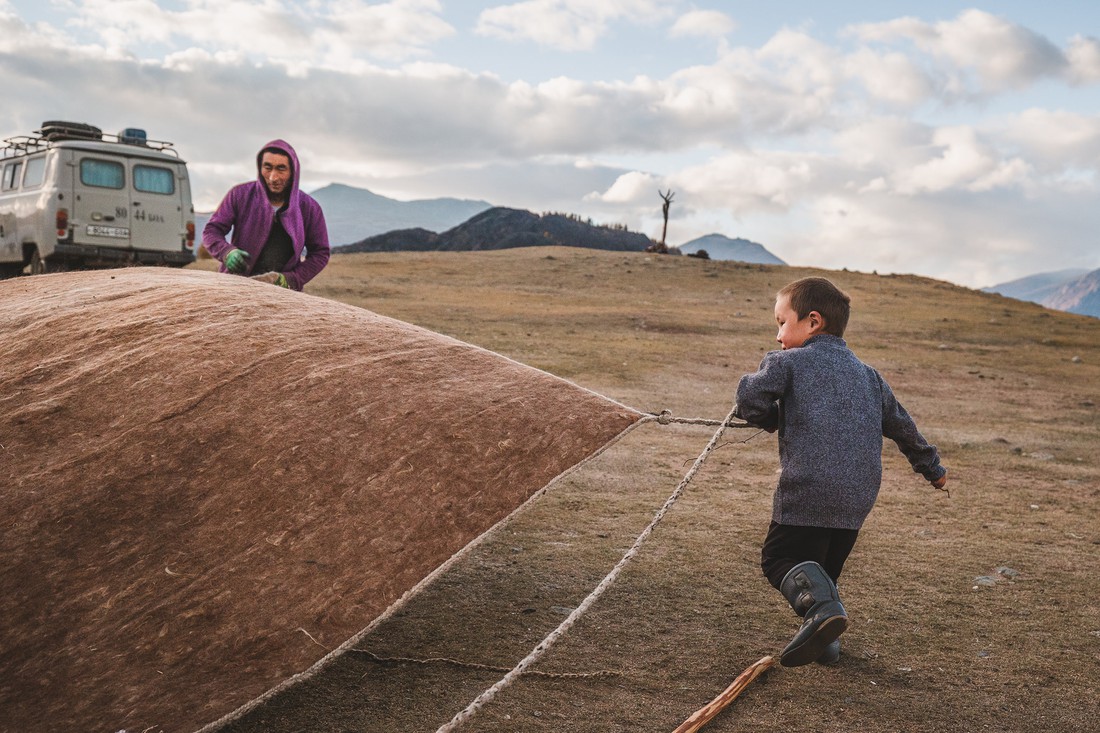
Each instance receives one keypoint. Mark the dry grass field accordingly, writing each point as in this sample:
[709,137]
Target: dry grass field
[1007,390]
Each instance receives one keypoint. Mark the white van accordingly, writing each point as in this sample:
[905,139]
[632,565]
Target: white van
[72,197]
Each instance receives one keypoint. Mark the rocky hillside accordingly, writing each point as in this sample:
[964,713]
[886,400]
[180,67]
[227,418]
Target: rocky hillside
[1074,291]
[1036,287]
[504,228]
[1078,296]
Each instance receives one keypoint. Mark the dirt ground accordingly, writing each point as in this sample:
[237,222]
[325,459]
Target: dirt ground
[970,612]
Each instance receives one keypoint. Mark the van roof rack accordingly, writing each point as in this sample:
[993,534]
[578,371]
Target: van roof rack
[21,145]
[54,131]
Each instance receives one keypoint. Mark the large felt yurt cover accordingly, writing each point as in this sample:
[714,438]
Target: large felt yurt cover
[195,466]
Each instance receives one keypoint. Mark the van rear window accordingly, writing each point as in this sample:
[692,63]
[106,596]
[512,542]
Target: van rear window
[154,180]
[102,173]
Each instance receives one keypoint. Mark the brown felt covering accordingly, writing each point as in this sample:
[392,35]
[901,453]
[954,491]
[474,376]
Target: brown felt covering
[195,466]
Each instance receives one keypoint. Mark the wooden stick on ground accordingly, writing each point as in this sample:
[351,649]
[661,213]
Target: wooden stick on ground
[705,714]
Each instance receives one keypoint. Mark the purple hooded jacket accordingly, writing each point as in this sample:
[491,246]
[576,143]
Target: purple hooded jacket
[247,212]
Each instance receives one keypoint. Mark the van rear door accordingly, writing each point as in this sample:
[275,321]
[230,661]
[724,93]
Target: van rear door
[102,201]
[156,212]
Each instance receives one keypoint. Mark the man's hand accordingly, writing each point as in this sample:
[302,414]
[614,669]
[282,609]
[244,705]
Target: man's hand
[273,278]
[236,261]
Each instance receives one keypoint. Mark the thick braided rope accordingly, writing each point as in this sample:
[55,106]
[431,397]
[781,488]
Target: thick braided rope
[665,417]
[536,653]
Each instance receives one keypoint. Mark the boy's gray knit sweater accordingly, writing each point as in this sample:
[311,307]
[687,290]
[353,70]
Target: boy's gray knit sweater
[832,411]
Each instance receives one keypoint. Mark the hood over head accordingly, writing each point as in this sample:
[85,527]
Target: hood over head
[282,146]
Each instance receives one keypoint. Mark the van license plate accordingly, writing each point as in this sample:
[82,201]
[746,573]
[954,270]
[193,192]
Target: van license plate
[95,230]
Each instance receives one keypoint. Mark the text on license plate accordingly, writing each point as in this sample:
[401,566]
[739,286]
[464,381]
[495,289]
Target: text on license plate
[95,230]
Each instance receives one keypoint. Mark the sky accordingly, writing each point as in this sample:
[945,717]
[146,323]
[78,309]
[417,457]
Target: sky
[951,140]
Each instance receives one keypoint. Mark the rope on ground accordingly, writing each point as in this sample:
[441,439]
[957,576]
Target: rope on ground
[459,663]
[485,667]
[537,653]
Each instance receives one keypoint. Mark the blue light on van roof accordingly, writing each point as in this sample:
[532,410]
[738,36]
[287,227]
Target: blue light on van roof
[133,136]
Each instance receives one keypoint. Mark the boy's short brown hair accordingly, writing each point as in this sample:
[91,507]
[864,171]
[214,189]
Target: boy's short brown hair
[819,294]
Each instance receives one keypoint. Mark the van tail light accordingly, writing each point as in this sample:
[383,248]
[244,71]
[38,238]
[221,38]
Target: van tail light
[62,221]
[190,235]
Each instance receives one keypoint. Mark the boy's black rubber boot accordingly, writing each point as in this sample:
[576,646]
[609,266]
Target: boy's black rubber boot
[813,596]
[831,655]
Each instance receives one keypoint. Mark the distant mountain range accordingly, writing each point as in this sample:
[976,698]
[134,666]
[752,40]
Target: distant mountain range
[354,213]
[503,228]
[360,220]
[363,221]
[721,247]
[1036,287]
[1074,291]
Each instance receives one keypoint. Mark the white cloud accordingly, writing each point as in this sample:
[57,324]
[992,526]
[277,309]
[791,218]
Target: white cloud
[966,204]
[1084,60]
[1026,151]
[740,186]
[628,188]
[959,159]
[328,33]
[567,25]
[16,34]
[122,23]
[799,72]
[1004,54]
[703,23]
[786,87]
[392,31]
[1000,54]
[748,182]
[1056,139]
[879,145]
[890,77]
[1014,172]
[978,239]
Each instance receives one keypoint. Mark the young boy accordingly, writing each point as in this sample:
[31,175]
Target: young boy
[831,411]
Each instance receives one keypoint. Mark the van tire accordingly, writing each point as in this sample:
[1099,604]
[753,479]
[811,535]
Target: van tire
[40,265]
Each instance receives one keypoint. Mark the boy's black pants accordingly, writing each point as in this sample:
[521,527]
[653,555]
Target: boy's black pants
[787,545]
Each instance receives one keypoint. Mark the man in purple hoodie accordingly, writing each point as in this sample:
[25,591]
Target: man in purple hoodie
[279,233]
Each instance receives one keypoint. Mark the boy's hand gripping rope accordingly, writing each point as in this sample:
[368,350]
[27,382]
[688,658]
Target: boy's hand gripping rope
[664,418]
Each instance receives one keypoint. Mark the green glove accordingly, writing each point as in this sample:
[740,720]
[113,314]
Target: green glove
[281,281]
[236,261]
